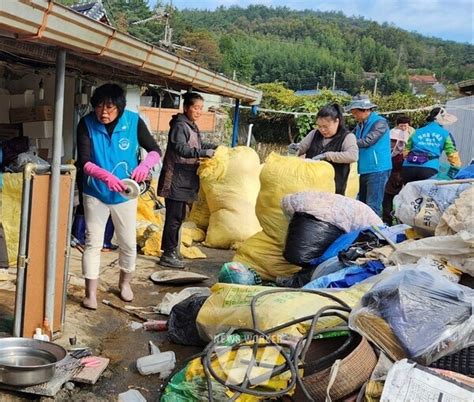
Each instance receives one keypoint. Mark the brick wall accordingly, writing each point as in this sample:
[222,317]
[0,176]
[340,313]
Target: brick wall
[159,119]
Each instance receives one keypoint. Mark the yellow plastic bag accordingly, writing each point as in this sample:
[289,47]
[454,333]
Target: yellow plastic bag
[11,212]
[200,211]
[281,175]
[145,211]
[230,181]
[264,254]
[232,366]
[352,188]
[229,307]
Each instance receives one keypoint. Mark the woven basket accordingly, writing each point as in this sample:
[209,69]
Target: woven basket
[354,370]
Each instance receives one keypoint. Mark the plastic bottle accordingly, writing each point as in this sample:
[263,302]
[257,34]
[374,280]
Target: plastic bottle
[39,335]
[47,330]
[162,363]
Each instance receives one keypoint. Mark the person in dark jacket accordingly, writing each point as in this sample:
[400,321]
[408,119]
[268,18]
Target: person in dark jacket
[331,141]
[398,139]
[179,182]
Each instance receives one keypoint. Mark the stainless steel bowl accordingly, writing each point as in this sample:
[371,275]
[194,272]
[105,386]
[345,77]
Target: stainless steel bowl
[25,361]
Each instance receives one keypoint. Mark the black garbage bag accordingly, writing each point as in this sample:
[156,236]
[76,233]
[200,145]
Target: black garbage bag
[182,322]
[308,238]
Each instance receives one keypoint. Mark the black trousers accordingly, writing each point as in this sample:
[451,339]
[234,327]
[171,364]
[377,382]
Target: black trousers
[412,173]
[175,214]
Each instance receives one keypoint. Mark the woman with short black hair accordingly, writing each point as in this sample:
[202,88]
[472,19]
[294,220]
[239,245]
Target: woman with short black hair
[108,142]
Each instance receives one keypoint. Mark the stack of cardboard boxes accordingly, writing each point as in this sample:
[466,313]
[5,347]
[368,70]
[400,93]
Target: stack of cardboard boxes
[18,114]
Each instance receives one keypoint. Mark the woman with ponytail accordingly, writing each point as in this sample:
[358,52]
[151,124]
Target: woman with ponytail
[332,142]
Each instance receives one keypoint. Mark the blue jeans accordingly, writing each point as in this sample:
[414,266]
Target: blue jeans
[371,189]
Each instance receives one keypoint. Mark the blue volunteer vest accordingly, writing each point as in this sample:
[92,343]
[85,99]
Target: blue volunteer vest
[117,154]
[376,158]
[429,140]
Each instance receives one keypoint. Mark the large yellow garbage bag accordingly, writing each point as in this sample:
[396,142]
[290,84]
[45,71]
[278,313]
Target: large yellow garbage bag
[229,307]
[230,180]
[352,188]
[264,254]
[200,211]
[232,365]
[11,212]
[281,175]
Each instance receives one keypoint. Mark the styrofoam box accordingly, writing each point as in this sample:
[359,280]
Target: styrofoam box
[38,129]
[26,99]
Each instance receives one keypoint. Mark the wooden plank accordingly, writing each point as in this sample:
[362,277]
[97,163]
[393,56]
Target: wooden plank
[90,375]
[35,281]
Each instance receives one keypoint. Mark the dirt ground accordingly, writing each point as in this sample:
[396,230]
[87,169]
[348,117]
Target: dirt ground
[108,332]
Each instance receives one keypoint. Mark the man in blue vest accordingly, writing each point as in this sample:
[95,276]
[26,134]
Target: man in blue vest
[375,163]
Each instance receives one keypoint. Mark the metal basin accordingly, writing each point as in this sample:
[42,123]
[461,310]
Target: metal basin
[25,361]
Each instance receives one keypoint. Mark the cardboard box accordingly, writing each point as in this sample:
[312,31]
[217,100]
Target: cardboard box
[4,108]
[38,129]
[26,99]
[45,148]
[27,114]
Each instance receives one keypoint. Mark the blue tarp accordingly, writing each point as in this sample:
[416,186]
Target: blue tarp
[347,277]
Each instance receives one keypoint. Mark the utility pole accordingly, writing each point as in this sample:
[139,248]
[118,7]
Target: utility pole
[375,85]
[334,81]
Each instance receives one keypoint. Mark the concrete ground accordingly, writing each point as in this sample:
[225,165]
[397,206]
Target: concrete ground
[108,331]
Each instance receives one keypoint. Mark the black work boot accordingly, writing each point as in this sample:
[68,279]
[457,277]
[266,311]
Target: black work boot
[171,259]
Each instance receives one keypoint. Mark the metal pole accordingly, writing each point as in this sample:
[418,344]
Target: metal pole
[249,135]
[235,131]
[54,188]
[71,169]
[22,262]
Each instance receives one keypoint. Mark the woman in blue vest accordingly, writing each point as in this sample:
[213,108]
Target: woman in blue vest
[425,146]
[375,162]
[108,141]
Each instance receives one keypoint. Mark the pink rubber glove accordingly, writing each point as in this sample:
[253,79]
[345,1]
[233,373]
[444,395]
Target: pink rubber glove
[113,182]
[140,173]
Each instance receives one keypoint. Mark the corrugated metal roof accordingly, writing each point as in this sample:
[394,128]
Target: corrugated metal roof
[94,10]
[47,23]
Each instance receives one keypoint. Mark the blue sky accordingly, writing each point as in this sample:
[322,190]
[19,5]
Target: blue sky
[446,19]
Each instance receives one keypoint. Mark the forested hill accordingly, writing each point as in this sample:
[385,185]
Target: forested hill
[305,47]
[301,48]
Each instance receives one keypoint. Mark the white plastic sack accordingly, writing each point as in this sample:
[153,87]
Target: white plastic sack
[171,299]
[422,203]
[457,250]
[345,213]
[459,216]
[432,264]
